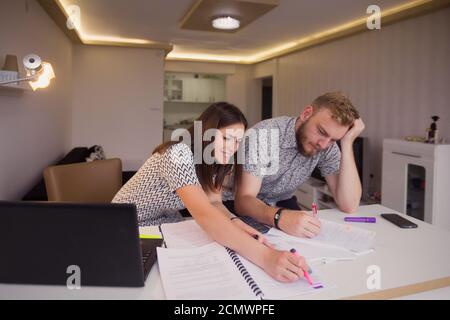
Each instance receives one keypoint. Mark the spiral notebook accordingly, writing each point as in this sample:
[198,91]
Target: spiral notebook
[195,267]
[213,272]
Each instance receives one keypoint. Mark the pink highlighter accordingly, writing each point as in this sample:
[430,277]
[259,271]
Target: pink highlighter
[314,209]
[307,277]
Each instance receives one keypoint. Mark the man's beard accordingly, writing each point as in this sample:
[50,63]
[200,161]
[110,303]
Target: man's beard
[300,136]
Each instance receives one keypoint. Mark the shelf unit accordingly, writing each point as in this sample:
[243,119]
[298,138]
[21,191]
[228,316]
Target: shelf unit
[14,90]
[316,191]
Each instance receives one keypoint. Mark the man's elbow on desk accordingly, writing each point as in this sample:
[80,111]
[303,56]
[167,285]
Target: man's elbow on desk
[347,202]
[348,207]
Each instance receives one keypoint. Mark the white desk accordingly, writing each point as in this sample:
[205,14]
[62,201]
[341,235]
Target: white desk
[411,261]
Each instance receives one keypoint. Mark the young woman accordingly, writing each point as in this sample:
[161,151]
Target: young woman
[171,180]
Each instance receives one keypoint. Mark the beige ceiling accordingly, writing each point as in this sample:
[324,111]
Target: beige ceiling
[158,20]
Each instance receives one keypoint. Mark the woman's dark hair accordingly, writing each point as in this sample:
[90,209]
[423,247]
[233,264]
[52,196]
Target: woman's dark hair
[216,116]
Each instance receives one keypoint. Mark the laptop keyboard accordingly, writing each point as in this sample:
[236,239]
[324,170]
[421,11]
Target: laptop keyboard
[146,256]
[261,227]
[148,247]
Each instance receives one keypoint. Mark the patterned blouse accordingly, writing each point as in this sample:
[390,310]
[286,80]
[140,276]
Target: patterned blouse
[152,188]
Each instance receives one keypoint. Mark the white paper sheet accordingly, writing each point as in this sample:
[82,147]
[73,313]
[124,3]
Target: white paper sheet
[313,253]
[196,267]
[273,289]
[205,273]
[345,236]
[185,234]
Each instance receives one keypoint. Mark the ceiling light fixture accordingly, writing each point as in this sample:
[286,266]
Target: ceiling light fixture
[226,23]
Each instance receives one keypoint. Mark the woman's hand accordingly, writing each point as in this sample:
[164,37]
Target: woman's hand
[251,231]
[284,266]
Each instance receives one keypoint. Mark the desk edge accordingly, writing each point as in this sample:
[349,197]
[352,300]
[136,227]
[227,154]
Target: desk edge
[403,290]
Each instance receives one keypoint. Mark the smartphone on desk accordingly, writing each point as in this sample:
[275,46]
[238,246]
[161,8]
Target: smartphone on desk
[399,220]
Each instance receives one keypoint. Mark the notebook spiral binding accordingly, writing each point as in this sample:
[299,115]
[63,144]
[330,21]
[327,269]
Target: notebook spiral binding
[248,278]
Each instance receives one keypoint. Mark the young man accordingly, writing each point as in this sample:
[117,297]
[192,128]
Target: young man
[266,189]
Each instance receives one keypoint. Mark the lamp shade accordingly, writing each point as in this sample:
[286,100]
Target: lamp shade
[44,76]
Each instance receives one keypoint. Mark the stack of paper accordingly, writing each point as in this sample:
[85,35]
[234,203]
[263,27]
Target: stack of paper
[332,234]
[185,234]
[202,273]
[314,254]
[196,267]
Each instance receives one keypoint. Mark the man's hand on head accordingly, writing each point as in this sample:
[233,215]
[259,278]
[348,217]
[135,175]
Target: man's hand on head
[354,131]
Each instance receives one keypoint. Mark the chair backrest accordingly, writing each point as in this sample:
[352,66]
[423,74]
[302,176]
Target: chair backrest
[96,181]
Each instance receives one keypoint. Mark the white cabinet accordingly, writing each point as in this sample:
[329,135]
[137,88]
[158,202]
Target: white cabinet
[416,180]
[173,89]
[191,89]
[217,90]
[201,90]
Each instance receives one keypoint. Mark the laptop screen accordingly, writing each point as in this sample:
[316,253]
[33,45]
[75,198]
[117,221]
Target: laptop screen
[46,243]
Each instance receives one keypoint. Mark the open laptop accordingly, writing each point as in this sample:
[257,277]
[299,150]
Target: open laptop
[40,241]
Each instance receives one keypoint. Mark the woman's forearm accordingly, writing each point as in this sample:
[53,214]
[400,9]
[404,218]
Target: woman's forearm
[221,229]
[222,208]
[215,221]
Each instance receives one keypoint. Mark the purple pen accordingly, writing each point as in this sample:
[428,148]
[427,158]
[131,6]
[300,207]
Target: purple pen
[361,219]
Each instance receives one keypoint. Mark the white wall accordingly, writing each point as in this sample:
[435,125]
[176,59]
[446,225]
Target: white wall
[244,92]
[397,77]
[118,100]
[34,127]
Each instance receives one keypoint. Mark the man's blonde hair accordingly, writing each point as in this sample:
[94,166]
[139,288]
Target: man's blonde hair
[341,108]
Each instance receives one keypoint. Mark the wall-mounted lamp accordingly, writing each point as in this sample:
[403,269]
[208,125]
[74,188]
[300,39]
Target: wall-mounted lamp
[39,73]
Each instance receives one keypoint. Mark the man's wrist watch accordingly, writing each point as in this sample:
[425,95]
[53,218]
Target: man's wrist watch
[276,218]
